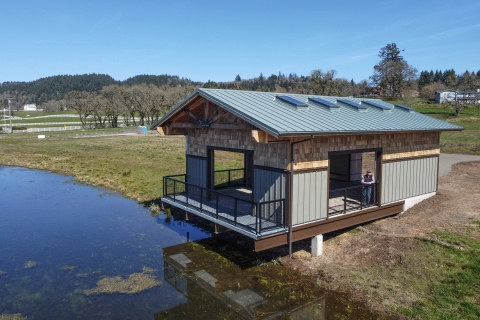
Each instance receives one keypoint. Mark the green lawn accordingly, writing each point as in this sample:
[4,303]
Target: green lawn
[466,141]
[39,120]
[24,114]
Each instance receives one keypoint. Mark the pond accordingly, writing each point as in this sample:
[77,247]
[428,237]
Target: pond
[71,251]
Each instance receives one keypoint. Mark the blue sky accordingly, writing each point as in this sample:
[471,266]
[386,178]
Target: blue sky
[216,40]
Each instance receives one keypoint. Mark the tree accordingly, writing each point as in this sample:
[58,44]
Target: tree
[237,78]
[392,74]
[321,83]
[428,91]
[425,78]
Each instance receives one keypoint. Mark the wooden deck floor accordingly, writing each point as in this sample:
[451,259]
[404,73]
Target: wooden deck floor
[245,217]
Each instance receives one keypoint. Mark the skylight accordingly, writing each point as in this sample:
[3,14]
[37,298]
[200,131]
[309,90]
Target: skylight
[324,102]
[377,105]
[294,102]
[404,107]
[353,104]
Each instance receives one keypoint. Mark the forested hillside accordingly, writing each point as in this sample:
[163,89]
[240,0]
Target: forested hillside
[56,88]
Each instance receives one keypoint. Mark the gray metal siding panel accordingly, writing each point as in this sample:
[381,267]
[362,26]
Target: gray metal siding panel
[409,178]
[197,171]
[324,195]
[309,196]
[268,185]
[295,200]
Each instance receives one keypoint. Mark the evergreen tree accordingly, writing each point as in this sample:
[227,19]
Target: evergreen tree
[438,76]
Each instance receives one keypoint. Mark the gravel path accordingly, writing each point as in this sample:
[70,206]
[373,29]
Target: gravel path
[447,160]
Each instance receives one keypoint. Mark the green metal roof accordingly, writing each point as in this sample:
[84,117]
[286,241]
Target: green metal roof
[281,118]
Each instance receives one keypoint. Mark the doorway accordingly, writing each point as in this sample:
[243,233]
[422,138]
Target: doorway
[351,186]
[229,168]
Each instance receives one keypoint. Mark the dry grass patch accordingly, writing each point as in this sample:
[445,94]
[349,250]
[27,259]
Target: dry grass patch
[69,268]
[30,264]
[135,283]
[17,316]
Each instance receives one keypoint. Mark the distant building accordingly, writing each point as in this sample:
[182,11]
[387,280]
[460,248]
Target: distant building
[30,107]
[468,96]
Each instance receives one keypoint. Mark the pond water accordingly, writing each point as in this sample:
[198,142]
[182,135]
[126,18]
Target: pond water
[70,251]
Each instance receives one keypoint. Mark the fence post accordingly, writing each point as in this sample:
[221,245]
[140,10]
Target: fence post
[344,200]
[229,178]
[201,199]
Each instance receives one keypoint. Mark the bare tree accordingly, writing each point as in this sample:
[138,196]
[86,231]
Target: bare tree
[78,101]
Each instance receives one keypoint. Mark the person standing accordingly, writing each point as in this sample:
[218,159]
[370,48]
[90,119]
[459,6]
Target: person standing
[367,180]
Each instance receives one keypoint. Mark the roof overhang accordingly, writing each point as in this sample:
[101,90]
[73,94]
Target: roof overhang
[198,93]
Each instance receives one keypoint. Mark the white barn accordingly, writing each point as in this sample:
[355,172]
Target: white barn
[30,107]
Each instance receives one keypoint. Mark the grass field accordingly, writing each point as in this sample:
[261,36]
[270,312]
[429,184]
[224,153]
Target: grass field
[132,165]
[466,141]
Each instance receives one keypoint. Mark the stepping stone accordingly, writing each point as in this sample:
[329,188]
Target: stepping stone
[245,297]
[207,277]
[181,259]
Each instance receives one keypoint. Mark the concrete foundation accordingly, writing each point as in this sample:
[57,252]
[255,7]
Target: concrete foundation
[410,202]
[317,245]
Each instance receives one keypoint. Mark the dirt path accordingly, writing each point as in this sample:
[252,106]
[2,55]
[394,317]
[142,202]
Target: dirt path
[380,263]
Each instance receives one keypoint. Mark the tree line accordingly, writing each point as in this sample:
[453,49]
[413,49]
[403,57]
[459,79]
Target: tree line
[50,92]
[145,102]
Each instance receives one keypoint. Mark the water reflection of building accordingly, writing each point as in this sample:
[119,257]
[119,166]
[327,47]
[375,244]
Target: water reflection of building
[201,278]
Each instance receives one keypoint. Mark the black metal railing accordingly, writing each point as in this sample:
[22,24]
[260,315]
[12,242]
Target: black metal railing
[353,198]
[252,216]
[229,178]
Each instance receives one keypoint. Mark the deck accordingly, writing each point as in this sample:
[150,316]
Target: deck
[231,208]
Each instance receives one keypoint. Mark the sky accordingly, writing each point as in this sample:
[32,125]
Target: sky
[216,40]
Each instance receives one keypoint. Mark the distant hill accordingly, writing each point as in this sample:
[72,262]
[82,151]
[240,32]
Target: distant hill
[56,87]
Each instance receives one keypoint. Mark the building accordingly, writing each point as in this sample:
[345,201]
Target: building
[30,107]
[464,96]
[304,157]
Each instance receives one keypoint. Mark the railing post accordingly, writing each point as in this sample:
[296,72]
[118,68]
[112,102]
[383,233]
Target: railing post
[260,211]
[201,199]
[235,212]
[229,171]
[257,221]
[185,187]
[216,205]
[344,200]
[175,190]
